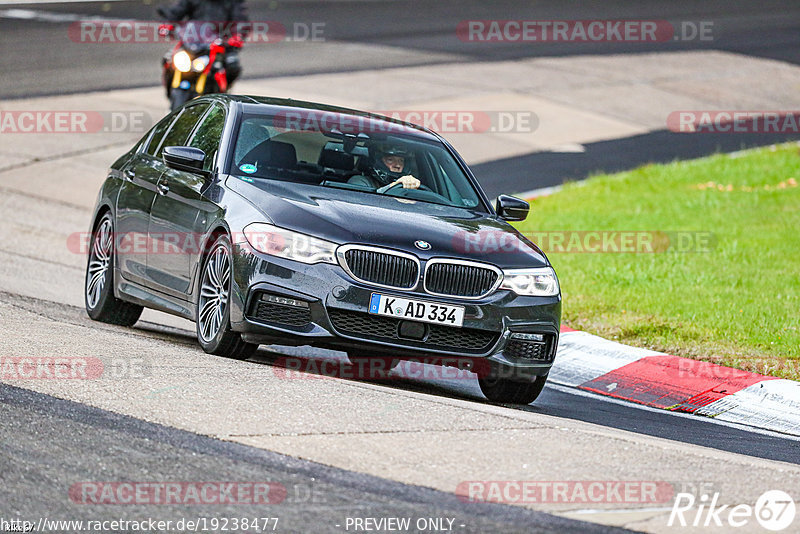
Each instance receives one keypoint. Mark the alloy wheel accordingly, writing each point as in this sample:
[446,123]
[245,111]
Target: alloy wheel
[214,293]
[99,260]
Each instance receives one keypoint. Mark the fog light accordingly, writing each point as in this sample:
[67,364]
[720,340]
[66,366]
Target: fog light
[527,337]
[274,299]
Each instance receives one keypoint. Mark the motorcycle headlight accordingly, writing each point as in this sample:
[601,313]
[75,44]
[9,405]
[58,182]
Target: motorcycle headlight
[182,61]
[200,63]
[283,243]
[541,282]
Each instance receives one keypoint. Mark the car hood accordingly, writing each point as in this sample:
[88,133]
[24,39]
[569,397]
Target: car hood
[345,216]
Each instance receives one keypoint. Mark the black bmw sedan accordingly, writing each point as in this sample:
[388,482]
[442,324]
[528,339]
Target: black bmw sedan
[270,221]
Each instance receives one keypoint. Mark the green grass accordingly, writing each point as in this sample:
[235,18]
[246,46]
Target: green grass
[737,304]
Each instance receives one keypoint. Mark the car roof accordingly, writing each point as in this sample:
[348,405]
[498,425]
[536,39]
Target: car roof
[255,104]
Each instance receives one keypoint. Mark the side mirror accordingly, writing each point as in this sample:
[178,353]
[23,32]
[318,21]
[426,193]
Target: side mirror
[185,158]
[512,208]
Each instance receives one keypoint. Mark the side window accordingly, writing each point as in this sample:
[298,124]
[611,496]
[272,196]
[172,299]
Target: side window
[158,134]
[208,134]
[252,132]
[181,128]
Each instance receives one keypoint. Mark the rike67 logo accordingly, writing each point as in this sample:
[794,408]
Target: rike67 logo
[774,510]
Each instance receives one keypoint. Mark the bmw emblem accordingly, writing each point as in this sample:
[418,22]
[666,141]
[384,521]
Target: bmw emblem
[422,245]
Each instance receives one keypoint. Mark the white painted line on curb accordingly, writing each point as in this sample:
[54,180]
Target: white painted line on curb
[582,357]
[615,511]
[569,148]
[772,404]
[711,420]
[37,2]
[541,192]
[768,405]
[533,193]
[54,17]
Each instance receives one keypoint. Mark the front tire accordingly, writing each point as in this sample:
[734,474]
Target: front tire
[101,304]
[213,310]
[508,391]
[179,97]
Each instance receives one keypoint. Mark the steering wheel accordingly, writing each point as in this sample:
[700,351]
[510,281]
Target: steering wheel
[385,189]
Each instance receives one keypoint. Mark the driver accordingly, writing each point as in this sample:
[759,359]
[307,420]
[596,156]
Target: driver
[387,170]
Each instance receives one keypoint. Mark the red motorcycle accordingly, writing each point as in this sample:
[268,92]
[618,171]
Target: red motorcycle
[197,65]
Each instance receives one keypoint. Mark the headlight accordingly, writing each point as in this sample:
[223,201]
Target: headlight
[276,241]
[540,282]
[182,61]
[200,63]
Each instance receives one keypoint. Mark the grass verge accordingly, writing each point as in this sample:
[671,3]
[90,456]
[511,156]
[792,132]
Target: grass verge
[723,282]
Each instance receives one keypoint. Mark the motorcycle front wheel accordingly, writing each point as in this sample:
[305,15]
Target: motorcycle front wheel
[179,97]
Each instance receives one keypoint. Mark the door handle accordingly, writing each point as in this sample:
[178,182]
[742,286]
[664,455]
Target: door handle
[163,189]
[130,174]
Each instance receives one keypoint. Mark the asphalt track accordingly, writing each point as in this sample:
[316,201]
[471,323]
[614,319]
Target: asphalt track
[555,401]
[47,440]
[41,59]
[615,155]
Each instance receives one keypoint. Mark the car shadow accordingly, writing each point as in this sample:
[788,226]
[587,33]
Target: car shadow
[291,363]
[304,363]
[554,401]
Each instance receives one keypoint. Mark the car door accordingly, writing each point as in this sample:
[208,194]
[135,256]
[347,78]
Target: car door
[134,202]
[180,211]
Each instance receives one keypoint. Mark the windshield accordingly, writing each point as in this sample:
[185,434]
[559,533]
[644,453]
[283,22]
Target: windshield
[350,152]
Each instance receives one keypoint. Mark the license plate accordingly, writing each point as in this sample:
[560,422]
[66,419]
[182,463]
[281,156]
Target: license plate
[416,310]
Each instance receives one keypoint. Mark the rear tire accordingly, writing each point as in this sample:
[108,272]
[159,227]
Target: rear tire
[98,290]
[509,391]
[212,317]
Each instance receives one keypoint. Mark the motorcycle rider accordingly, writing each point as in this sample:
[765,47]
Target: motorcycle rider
[226,13]
[389,164]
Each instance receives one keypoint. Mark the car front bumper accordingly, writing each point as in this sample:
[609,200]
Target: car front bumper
[278,301]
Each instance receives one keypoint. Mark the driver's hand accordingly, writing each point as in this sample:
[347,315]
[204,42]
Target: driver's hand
[408,181]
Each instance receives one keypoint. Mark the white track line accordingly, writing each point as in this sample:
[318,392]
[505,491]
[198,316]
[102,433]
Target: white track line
[630,404]
[582,357]
[52,16]
[37,2]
